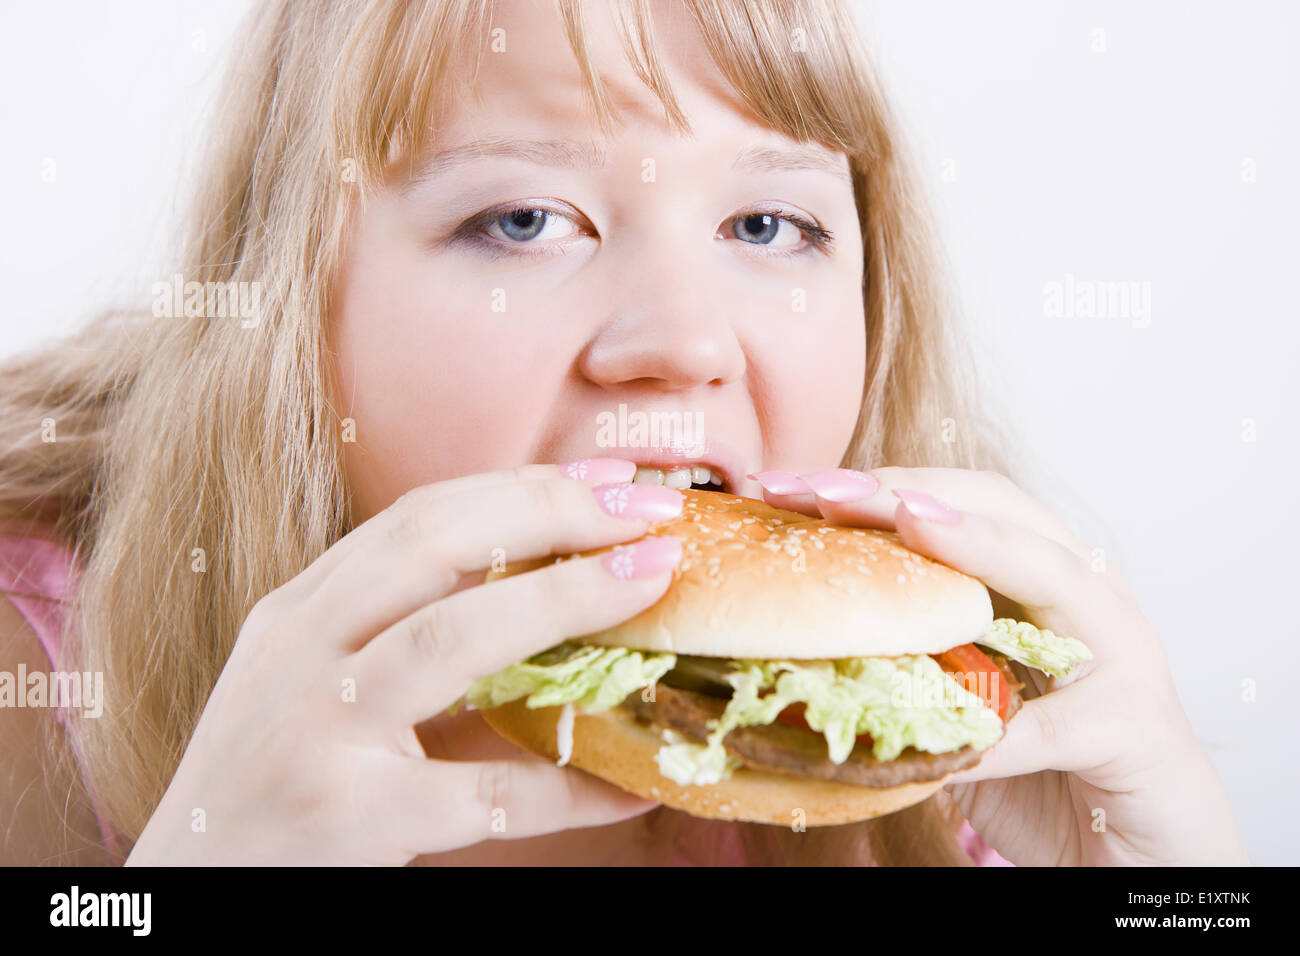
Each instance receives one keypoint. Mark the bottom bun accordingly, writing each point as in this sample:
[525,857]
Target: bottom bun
[615,746]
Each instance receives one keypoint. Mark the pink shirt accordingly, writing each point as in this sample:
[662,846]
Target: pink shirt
[35,574]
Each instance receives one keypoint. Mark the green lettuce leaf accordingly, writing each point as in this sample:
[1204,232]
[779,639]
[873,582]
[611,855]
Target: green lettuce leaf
[594,678]
[1042,650]
[906,701]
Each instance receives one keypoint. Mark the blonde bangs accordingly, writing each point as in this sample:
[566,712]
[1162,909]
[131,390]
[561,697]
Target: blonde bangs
[795,66]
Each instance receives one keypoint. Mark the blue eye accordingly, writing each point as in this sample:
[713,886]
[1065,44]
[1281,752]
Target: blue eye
[506,232]
[523,224]
[527,224]
[783,232]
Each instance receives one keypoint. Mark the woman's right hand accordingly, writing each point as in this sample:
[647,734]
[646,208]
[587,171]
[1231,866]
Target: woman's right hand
[306,752]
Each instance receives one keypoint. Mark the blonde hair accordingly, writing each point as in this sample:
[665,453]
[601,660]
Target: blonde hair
[182,441]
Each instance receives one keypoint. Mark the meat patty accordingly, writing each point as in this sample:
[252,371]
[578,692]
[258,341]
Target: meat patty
[781,748]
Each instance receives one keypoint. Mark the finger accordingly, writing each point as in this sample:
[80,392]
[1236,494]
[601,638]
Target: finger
[361,538]
[785,489]
[988,493]
[862,498]
[1037,573]
[440,806]
[1047,733]
[425,548]
[420,665]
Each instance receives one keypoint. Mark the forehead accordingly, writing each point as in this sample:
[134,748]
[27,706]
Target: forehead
[526,97]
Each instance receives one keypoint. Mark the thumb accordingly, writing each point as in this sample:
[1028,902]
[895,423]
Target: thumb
[1045,734]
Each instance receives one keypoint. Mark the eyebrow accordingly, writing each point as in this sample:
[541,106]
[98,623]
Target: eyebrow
[571,154]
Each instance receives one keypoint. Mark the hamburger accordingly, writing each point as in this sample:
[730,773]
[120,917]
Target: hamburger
[794,672]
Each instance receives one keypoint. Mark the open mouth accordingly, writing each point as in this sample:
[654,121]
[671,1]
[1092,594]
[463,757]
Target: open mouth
[699,477]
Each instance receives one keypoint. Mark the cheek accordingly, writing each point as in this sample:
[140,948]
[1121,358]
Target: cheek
[812,380]
[432,380]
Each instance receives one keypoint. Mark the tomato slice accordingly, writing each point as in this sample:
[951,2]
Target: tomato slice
[978,674]
[793,715]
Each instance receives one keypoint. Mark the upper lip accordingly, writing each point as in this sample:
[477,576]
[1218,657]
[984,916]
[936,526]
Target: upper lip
[724,460]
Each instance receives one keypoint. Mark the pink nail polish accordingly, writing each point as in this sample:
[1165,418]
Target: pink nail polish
[781,482]
[921,505]
[644,559]
[635,502]
[600,471]
[842,484]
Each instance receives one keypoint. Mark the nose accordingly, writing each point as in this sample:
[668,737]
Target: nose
[669,329]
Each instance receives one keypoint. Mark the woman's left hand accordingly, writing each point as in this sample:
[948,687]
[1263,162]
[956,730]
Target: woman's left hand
[1103,767]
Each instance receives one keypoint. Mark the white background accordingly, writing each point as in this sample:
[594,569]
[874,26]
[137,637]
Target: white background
[1043,156]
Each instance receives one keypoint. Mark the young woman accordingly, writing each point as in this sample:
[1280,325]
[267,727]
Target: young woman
[470,229]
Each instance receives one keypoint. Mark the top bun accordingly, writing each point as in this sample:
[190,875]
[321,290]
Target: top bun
[760,582]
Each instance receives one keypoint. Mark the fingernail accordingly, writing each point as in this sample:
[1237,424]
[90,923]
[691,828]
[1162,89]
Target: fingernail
[921,505]
[635,502]
[644,559]
[600,471]
[842,484]
[781,482]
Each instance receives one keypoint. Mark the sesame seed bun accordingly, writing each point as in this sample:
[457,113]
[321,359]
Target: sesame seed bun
[760,582]
[757,581]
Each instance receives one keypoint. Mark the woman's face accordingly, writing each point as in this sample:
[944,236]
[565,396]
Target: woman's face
[640,272]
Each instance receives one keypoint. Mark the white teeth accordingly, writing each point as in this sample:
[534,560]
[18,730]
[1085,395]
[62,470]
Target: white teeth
[677,477]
